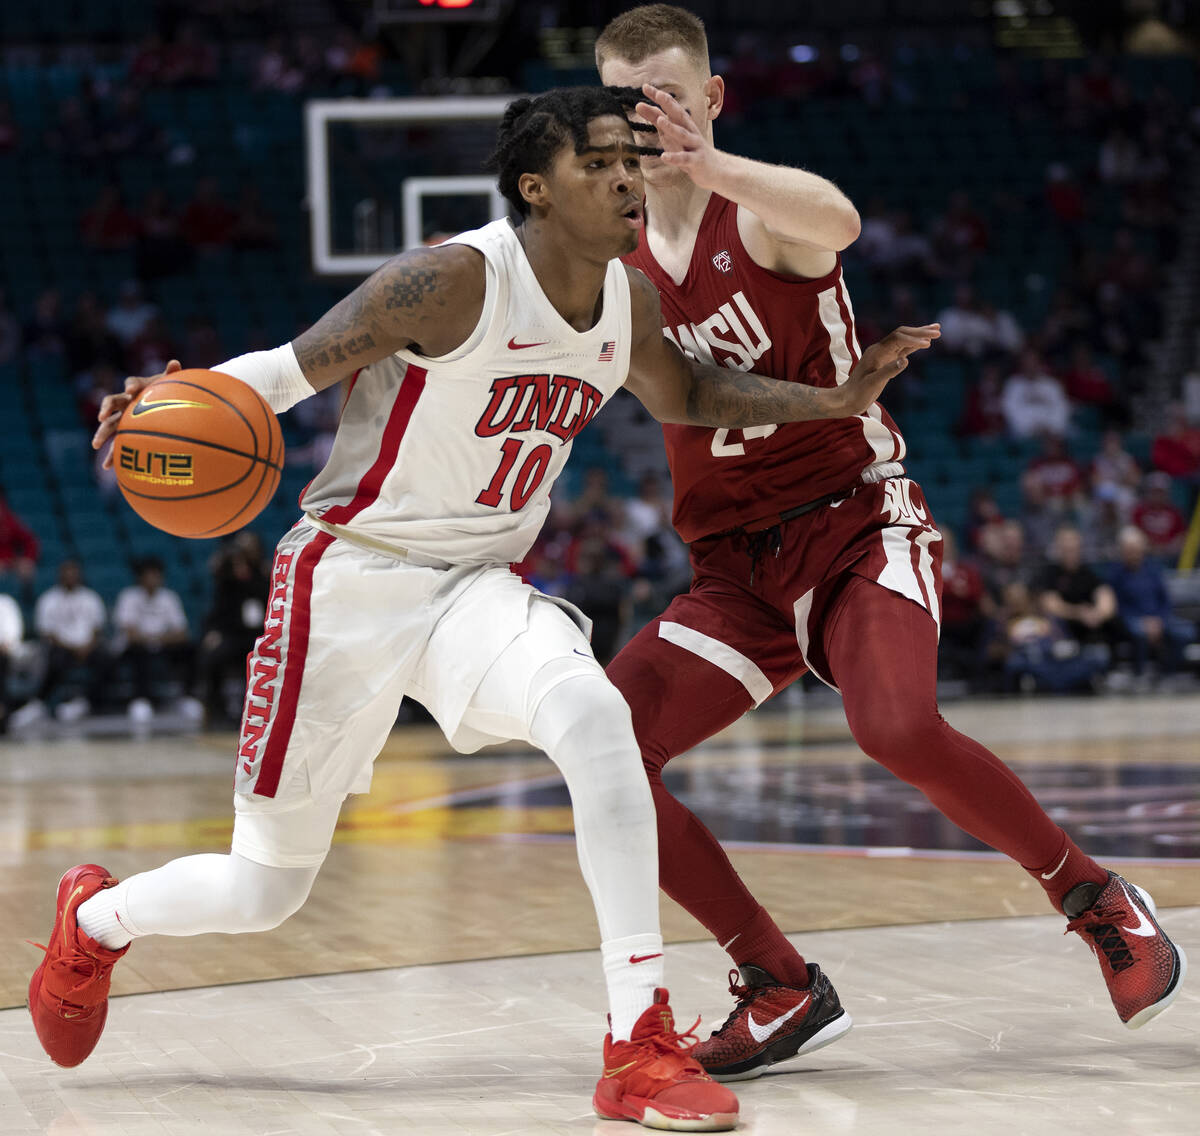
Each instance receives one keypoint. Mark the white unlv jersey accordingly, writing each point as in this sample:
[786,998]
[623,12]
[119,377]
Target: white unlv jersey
[453,457]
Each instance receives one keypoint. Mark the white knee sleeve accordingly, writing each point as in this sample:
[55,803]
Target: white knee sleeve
[584,725]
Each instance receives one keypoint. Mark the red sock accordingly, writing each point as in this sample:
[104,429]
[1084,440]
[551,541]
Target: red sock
[1068,867]
[761,943]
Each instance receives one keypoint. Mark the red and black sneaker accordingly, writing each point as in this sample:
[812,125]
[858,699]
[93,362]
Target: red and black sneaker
[68,993]
[652,1079]
[772,1022]
[1141,966]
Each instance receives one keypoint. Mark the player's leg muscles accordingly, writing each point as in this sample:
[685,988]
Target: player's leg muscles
[678,698]
[881,651]
[231,893]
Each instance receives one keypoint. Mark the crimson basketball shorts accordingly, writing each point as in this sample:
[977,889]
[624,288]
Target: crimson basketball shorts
[764,634]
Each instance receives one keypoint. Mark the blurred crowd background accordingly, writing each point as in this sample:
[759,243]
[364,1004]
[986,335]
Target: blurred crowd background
[1029,175]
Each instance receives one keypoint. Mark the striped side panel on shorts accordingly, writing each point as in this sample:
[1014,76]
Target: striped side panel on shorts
[274,675]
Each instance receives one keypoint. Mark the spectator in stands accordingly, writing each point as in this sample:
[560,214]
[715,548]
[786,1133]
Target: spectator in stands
[69,618]
[1158,517]
[966,609]
[599,585]
[45,332]
[128,130]
[90,343]
[107,225]
[595,501]
[1115,471]
[1176,451]
[240,588]
[10,331]
[151,348]
[661,556]
[1063,196]
[1033,400]
[276,69]
[190,58]
[12,631]
[253,226]
[983,409]
[1040,654]
[146,67]
[1068,320]
[160,249]
[128,317]
[1119,158]
[1053,475]
[1005,559]
[959,236]
[10,134]
[1086,384]
[76,132]
[207,223]
[18,547]
[1144,607]
[203,343]
[153,638]
[983,519]
[1069,591]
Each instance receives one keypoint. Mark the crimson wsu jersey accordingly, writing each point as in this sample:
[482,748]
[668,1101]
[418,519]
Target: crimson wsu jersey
[732,312]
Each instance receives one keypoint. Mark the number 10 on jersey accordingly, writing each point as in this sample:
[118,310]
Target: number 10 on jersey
[526,481]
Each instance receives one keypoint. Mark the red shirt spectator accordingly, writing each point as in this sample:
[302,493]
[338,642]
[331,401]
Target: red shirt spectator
[1158,517]
[1054,472]
[962,593]
[18,546]
[108,225]
[1176,451]
[1085,381]
[207,221]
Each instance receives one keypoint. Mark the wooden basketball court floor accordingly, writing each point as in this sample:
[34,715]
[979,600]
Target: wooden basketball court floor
[443,979]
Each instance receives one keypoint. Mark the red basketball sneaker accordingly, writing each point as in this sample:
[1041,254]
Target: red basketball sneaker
[1142,967]
[771,1023]
[653,1080]
[68,993]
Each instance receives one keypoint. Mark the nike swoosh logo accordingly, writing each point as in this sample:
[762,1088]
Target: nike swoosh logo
[585,654]
[149,406]
[1051,875]
[69,1014]
[513,345]
[1144,927]
[619,1070]
[761,1033]
[635,959]
[67,906]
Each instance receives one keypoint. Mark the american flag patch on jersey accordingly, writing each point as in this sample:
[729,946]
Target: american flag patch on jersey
[607,349]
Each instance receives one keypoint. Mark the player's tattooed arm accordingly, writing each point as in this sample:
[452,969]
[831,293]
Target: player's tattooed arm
[427,300]
[676,389]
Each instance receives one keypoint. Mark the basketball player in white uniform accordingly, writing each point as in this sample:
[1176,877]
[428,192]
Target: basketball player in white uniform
[470,368]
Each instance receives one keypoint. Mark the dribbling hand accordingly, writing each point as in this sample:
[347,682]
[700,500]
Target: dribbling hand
[114,406]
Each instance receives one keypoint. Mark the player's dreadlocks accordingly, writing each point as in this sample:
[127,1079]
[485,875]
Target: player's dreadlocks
[533,130]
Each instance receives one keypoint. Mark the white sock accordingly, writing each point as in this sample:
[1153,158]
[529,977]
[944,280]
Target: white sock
[633,969]
[98,918]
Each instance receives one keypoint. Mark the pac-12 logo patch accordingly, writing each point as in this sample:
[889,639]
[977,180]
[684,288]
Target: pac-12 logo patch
[723,261]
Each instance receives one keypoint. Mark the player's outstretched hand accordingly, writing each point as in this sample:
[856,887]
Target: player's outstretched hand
[682,143]
[114,405]
[882,362]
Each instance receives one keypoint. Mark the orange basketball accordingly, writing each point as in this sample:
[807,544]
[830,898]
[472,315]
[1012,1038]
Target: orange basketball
[198,454]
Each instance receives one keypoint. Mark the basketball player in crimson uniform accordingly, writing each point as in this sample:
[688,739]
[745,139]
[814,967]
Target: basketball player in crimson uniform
[811,551]
[469,369]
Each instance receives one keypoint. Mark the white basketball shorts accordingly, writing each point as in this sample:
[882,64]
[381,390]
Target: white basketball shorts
[349,632]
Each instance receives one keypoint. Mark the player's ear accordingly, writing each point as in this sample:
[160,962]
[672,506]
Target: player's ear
[714,95]
[533,188]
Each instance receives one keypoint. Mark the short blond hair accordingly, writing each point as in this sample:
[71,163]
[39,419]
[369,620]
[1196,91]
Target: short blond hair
[641,32]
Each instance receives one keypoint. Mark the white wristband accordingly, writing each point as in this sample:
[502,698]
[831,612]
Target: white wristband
[275,374]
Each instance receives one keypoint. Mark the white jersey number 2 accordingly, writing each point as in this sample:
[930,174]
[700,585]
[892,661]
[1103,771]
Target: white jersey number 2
[724,449]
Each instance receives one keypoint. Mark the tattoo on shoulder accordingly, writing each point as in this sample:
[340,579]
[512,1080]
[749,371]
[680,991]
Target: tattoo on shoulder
[410,286]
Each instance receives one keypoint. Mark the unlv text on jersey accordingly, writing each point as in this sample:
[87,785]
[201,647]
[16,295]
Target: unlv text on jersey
[560,404]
